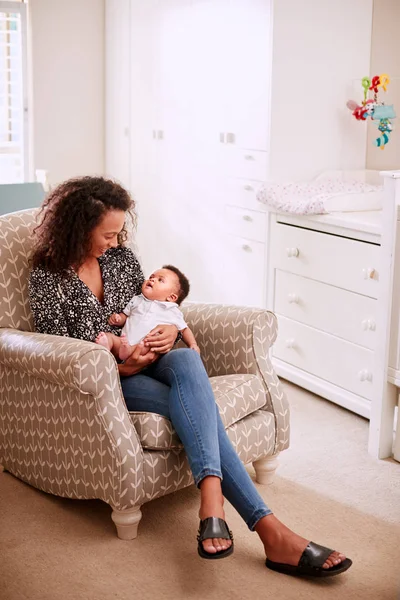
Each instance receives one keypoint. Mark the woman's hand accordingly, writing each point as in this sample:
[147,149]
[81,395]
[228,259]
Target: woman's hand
[137,361]
[162,338]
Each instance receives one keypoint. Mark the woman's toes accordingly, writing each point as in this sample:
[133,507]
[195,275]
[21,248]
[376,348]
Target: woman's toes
[334,559]
[209,547]
[222,544]
[216,545]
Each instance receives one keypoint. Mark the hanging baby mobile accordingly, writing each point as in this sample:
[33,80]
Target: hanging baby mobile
[377,110]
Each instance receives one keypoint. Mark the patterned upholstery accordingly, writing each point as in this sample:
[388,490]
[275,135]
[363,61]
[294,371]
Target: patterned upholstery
[236,395]
[64,426]
[15,236]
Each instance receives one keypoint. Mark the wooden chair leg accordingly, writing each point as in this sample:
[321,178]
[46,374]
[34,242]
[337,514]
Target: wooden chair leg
[265,469]
[127,522]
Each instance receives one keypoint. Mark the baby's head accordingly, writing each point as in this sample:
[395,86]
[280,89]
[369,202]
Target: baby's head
[168,284]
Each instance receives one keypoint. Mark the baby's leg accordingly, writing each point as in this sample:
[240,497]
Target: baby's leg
[109,341]
[124,347]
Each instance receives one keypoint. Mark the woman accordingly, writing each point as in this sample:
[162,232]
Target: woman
[82,274]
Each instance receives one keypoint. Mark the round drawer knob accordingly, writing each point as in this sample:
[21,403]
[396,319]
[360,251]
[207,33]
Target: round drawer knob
[293,298]
[290,343]
[249,157]
[368,325]
[246,248]
[369,273]
[249,188]
[292,252]
[365,375]
[247,218]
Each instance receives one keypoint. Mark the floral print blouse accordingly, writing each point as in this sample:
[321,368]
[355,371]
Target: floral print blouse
[66,306]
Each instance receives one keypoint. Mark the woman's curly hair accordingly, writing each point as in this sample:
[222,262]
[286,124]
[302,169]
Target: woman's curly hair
[68,216]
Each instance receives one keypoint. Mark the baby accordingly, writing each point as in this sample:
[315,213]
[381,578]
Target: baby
[158,304]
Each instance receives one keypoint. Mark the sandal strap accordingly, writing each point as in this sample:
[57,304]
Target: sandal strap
[214,527]
[314,556]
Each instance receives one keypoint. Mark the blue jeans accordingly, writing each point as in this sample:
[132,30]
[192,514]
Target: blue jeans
[177,387]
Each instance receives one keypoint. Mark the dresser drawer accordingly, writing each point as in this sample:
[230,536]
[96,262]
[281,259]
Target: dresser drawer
[326,356]
[251,164]
[244,272]
[248,224]
[343,262]
[244,164]
[331,309]
[243,192]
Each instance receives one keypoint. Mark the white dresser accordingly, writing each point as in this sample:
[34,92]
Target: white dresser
[323,281]
[244,233]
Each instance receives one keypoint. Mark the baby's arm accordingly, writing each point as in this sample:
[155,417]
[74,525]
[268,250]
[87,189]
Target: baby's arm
[189,339]
[117,319]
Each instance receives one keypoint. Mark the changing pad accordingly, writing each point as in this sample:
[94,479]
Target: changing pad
[321,196]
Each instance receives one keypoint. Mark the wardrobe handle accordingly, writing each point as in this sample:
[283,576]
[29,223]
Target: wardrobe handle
[247,248]
[247,218]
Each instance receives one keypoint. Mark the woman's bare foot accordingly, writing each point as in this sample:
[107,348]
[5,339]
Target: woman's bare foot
[282,545]
[212,505]
[125,349]
[102,339]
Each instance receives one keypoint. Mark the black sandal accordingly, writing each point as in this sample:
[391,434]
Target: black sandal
[213,527]
[310,563]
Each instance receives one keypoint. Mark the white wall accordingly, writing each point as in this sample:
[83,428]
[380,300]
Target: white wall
[67,87]
[319,48]
[385,58]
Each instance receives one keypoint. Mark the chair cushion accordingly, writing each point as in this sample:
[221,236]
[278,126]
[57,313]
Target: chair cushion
[237,396]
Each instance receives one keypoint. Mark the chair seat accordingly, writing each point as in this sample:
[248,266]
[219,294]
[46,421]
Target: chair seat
[237,396]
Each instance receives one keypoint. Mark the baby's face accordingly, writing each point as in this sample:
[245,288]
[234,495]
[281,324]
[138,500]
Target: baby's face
[162,285]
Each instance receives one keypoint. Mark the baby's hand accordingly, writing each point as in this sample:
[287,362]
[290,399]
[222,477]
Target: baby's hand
[195,347]
[115,319]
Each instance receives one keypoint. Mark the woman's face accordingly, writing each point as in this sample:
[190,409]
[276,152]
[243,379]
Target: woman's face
[105,234]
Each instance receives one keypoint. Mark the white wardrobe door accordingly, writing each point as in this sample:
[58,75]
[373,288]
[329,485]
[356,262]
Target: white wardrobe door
[183,59]
[246,57]
[117,77]
[145,149]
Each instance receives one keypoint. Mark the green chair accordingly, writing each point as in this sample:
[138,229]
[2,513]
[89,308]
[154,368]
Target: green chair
[19,196]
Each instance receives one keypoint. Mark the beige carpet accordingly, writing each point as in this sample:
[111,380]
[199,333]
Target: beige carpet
[327,488]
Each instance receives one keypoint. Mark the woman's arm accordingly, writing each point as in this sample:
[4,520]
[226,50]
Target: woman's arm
[45,298]
[137,362]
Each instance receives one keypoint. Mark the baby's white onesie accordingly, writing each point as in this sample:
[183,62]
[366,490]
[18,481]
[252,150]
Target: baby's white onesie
[144,314]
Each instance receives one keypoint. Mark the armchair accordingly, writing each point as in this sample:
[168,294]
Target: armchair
[64,426]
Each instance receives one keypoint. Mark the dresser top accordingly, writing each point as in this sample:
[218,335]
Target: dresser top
[360,225]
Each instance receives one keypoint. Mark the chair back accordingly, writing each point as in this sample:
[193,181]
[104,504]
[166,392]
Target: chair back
[20,196]
[15,249]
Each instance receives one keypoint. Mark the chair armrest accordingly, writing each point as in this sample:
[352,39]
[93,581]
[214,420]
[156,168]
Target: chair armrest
[231,338]
[237,339]
[68,393]
[61,360]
